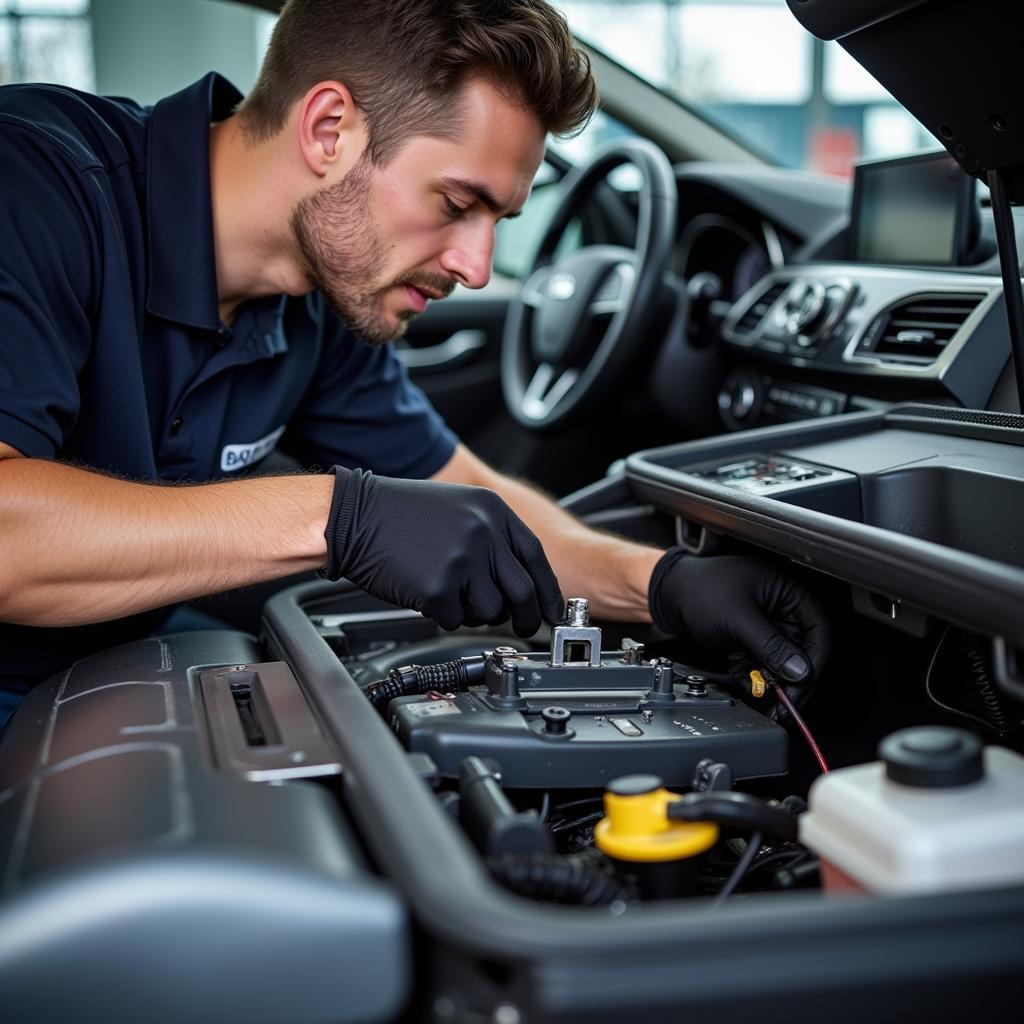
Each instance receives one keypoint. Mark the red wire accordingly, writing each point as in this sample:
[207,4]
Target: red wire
[788,704]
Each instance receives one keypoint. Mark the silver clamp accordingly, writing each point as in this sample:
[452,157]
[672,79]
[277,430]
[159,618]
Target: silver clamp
[576,637]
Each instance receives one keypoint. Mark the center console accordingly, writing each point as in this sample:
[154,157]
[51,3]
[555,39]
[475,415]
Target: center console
[910,309]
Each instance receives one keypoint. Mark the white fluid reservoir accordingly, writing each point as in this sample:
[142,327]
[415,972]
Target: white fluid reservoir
[938,812]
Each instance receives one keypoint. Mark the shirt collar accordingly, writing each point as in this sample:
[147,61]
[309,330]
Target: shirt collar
[182,266]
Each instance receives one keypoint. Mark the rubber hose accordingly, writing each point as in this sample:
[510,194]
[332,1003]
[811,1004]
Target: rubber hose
[554,879]
[736,809]
[449,676]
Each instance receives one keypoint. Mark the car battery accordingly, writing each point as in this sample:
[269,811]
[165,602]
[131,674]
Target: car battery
[577,717]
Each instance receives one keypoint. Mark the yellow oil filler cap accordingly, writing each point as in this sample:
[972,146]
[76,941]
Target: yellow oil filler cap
[636,826]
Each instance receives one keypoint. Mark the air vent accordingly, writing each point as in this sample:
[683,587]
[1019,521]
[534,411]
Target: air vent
[751,320]
[918,329]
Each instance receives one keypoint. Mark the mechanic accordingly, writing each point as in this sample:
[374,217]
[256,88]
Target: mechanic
[184,287]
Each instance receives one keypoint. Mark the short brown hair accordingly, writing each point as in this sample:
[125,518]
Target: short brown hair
[405,60]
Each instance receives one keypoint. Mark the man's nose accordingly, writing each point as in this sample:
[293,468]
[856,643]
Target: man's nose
[469,260]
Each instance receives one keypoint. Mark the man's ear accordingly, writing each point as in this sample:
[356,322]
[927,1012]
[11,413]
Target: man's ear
[330,128]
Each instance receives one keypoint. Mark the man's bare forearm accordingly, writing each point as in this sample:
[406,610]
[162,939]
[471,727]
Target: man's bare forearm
[81,547]
[613,573]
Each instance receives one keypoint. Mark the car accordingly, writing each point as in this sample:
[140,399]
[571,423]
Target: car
[332,810]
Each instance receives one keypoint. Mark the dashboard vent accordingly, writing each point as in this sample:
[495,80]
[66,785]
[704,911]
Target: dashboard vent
[750,320]
[918,329]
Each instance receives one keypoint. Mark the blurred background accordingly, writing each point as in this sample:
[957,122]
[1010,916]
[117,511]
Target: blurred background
[746,65]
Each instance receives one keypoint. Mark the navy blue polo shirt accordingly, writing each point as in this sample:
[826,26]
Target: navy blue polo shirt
[112,353]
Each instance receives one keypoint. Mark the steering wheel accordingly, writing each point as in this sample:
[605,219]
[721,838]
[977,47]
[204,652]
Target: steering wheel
[551,368]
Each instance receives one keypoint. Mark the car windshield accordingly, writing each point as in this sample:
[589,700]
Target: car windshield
[750,68]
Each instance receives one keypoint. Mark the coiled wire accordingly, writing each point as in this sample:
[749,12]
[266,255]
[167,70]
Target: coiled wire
[994,710]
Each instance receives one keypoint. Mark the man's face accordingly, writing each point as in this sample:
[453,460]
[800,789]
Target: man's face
[382,241]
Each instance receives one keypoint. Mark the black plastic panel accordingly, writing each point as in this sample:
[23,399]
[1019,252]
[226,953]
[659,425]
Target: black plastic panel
[141,882]
[963,74]
[607,737]
[940,491]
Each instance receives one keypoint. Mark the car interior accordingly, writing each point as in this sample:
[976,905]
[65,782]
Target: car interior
[329,809]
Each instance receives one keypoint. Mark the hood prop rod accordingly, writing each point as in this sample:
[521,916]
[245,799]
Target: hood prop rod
[1009,263]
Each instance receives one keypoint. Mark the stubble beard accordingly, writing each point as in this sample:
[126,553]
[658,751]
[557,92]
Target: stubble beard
[335,237]
[345,257]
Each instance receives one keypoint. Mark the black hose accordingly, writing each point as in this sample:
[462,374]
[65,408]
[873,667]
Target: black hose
[740,810]
[449,676]
[574,879]
[742,866]
[787,856]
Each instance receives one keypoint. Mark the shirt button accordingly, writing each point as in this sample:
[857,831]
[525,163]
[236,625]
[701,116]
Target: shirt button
[176,424]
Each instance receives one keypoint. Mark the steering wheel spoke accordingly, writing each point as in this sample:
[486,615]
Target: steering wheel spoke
[553,365]
[546,389]
[616,292]
[535,288]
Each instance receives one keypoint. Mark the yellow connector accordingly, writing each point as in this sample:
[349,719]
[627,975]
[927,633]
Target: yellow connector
[757,684]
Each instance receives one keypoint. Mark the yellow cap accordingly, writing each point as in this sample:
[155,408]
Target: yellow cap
[637,828]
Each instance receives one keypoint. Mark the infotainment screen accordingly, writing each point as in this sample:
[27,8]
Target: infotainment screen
[912,210]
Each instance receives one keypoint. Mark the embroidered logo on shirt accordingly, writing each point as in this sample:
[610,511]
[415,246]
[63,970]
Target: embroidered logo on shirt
[237,456]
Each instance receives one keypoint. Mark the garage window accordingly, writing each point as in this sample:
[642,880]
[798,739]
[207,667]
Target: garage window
[46,41]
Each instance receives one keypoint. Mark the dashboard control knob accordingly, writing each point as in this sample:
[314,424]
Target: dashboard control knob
[810,309]
[739,401]
[806,308]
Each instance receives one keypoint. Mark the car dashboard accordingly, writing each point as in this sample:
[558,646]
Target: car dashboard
[798,329]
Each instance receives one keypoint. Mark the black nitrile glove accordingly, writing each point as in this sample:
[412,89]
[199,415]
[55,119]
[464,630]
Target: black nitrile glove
[457,554]
[733,604]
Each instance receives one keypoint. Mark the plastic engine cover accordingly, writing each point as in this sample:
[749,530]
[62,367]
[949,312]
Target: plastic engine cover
[140,882]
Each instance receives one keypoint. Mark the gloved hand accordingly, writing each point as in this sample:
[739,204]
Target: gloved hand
[734,604]
[457,554]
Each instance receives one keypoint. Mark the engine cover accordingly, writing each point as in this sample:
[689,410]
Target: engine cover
[577,717]
[605,737]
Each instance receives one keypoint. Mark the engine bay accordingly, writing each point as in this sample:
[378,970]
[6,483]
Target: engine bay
[383,821]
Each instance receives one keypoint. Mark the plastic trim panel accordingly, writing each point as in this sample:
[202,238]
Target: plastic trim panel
[977,593]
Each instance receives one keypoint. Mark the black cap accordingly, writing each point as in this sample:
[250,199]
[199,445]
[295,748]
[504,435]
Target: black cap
[556,719]
[932,757]
[634,785]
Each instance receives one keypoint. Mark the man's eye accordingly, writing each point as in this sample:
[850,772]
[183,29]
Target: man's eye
[452,209]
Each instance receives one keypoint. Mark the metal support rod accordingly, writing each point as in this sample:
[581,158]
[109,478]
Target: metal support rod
[1013,295]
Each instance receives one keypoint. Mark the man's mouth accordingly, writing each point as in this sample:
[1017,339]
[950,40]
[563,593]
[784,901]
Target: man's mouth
[419,297]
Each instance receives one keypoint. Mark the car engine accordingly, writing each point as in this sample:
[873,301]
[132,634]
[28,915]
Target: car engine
[359,818]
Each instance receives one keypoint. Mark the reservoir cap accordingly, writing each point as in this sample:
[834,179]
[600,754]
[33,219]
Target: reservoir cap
[932,757]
